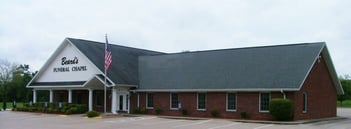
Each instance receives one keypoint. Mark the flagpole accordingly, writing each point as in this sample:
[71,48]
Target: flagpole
[105,75]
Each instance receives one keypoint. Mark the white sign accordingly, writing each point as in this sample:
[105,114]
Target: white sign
[66,65]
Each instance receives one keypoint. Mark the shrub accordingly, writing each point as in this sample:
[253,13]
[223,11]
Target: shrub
[281,109]
[243,115]
[184,111]
[140,110]
[158,111]
[68,112]
[214,113]
[92,114]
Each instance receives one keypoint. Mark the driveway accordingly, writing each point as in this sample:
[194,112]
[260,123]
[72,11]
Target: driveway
[21,120]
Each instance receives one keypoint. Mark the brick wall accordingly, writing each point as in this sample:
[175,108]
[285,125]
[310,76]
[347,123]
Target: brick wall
[320,90]
[246,102]
[321,94]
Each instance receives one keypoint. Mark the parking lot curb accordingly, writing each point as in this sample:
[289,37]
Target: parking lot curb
[291,122]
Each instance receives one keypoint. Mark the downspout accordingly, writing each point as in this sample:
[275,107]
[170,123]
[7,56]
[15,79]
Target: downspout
[281,90]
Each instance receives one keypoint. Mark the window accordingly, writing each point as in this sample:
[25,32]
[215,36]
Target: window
[174,101]
[304,104]
[231,101]
[264,102]
[201,101]
[149,100]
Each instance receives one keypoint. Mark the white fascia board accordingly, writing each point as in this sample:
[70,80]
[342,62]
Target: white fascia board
[311,67]
[102,81]
[332,71]
[54,87]
[60,88]
[126,85]
[47,63]
[91,63]
[217,90]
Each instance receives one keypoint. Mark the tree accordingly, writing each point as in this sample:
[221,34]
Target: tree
[346,85]
[6,74]
[17,90]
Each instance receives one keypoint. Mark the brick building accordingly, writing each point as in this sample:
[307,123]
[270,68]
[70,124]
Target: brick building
[230,81]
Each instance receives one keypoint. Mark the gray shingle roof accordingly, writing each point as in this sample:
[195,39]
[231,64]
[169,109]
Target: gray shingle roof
[124,67]
[269,67]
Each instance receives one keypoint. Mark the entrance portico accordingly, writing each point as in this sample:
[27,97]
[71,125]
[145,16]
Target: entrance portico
[75,73]
[90,93]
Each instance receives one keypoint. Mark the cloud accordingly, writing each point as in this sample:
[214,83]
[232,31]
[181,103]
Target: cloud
[31,30]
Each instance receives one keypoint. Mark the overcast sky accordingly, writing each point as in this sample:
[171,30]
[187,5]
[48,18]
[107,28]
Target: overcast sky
[31,30]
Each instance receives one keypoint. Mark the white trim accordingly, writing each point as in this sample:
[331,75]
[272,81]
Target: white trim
[147,99]
[259,102]
[102,81]
[170,101]
[126,85]
[332,71]
[197,101]
[305,102]
[71,86]
[47,63]
[65,42]
[227,102]
[90,62]
[311,67]
[217,90]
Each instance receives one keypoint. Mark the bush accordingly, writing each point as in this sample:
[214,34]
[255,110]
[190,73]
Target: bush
[140,110]
[214,113]
[158,111]
[53,108]
[184,112]
[92,114]
[281,109]
[243,115]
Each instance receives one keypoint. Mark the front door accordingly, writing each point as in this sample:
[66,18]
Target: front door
[121,103]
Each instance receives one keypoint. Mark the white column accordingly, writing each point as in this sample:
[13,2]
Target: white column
[69,95]
[90,99]
[117,102]
[114,101]
[51,96]
[34,95]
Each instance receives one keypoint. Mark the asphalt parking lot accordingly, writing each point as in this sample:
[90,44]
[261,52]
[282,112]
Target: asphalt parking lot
[23,120]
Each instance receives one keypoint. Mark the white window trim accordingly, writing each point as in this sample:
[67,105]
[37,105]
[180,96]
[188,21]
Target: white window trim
[259,102]
[147,98]
[170,101]
[236,102]
[304,94]
[197,101]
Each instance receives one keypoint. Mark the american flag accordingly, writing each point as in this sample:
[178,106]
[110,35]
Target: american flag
[108,55]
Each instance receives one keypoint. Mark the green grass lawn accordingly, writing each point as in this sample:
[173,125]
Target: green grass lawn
[346,103]
[9,105]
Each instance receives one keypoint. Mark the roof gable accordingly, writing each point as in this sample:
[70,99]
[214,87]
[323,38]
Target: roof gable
[124,66]
[267,68]
[67,66]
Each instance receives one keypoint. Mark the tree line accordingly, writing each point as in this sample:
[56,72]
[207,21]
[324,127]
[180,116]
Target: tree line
[13,81]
